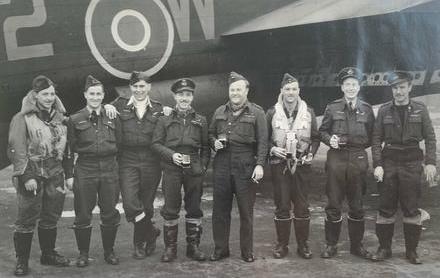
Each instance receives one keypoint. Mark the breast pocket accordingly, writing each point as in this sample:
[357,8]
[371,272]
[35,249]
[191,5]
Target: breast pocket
[361,120]
[245,127]
[109,131]
[415,126]
[388,126]
[339,123]
[196,131]
[85,132]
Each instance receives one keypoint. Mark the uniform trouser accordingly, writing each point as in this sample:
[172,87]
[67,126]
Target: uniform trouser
[346,173]
[46,205]
[402,185]
[288,189]
[173,179]
[96,180]
[225,186]
[139,175]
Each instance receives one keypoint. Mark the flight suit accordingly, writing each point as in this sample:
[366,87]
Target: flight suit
[291,188]
[346,166]
[185,134]
[37,150]
[95,139]
[402,161]
[139,171]
[233,168]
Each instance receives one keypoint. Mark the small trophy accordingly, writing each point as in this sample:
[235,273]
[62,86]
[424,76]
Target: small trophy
[186,161]
[223,138]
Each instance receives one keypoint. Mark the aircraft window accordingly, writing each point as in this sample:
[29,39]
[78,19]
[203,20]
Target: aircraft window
[438,73]
[417,76]
[376,77]
[364,78]
[385,77]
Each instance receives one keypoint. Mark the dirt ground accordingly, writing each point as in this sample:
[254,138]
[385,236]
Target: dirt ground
[344,265]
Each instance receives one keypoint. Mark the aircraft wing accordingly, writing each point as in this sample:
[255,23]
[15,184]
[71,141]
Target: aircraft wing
[303,12]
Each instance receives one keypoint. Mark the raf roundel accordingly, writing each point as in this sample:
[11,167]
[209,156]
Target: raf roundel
[136,34]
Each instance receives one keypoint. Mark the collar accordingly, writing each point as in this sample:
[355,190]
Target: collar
[134,102]
[410,105]
[190,111]
[356,102]
[246,105]
[98,112]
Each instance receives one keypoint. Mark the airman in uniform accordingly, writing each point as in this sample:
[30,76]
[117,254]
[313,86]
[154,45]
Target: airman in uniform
[238,133]
[42,166]
[294,140]
[139,170]
[181,140]
[94,137]
[398,161]
[347,128]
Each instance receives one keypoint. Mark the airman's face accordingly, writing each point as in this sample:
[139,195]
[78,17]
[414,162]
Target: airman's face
[401,93]
[140,90]
[238,92]
[184,100]
[46,98]
[94,96]
[350,86]
[290,92]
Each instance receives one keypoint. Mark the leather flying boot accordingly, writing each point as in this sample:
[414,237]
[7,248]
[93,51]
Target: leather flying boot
[83,241]
[108,234]
[282,227]
[384,233]
[151,236]
[302,227]
[412,236]
[170,240]
[49,256]
[356,230]
[22,244]
[193,234]
[332,231]
[140,230]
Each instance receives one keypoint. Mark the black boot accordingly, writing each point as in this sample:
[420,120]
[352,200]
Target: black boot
[170,240]
[302,226]
[108,235]
[83,241]
[193,234]
[282,227]
[384,233]
[332,231]
[412,236]
[49,256]
[22,243]
[356,229]
[140,230]
[151,236]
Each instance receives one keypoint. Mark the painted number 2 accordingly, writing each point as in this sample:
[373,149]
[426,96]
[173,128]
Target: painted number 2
[14,23]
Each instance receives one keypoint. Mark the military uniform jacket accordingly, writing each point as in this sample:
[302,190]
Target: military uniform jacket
[93,140]
[248,131]
[417,126]
[137,132]
[355,126]
[182,134]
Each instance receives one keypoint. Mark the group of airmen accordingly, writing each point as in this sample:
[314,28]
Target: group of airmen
[130,145]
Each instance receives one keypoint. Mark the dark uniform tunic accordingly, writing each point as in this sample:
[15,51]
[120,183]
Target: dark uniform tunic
[185,134]
[96,169]
[347,166]
[401,156]
[290,188]
[139,170]
[233,168]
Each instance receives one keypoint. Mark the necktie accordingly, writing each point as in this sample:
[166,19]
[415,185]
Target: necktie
[45,115]
[94,117]
[350,106]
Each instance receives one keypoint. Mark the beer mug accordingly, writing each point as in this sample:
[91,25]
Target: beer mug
[223,138]
[186,161]
[291,142]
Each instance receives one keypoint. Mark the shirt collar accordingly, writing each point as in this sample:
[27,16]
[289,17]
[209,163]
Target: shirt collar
[98,111]
[133,101]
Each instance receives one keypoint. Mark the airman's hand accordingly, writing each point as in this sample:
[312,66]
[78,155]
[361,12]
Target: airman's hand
[258,173]
[177,158]
[110,111]
[334,141]
[378,173]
